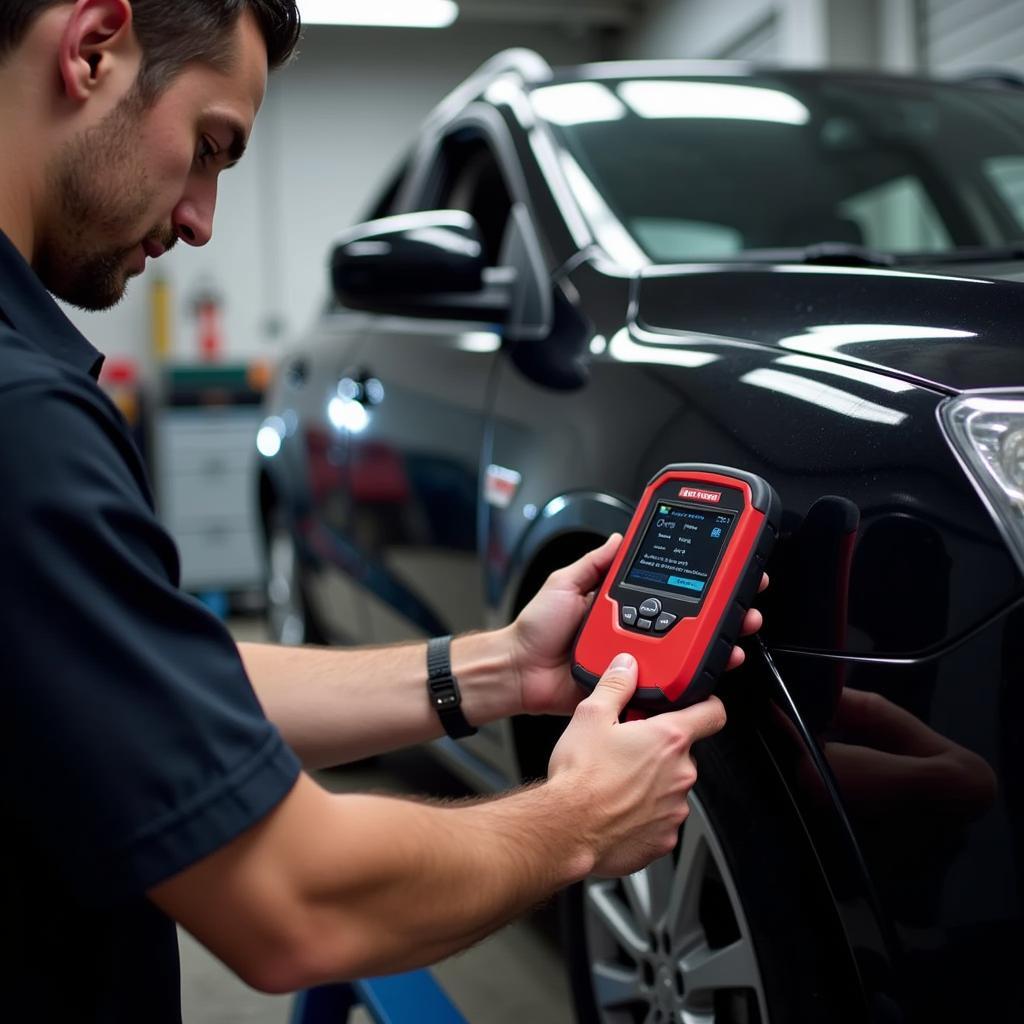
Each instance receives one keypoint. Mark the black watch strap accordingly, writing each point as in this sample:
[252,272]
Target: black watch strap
[443,689]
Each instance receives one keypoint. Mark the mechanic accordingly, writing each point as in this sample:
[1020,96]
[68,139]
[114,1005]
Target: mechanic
[155,771]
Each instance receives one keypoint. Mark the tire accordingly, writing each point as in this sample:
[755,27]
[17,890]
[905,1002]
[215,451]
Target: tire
[289,620]
[736,926]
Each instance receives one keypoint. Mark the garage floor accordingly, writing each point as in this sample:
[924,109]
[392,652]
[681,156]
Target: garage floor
[514,976]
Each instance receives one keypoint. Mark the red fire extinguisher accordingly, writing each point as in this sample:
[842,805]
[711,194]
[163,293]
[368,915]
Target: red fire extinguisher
[210,323]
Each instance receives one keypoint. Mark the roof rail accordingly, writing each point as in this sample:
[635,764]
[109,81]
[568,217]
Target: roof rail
[530,66]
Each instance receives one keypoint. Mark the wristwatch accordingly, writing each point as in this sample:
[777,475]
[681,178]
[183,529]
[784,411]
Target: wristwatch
[443,689]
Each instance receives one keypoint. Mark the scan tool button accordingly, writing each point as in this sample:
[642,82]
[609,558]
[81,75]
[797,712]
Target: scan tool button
[628,616]
[650,607]
[664,621]
[644,623]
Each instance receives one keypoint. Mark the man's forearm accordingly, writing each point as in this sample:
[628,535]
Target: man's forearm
[331,887]
[338,705]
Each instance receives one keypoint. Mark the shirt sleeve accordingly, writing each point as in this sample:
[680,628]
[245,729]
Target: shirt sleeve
[135,744]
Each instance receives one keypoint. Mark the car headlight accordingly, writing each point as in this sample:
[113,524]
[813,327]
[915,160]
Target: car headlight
[986,429]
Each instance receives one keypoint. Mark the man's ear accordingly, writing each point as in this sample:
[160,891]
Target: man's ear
[97,40]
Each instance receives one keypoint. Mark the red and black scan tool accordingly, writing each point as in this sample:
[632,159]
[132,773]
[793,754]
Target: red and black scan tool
[682,581]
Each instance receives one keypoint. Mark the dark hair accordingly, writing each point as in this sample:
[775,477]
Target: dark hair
[175,33]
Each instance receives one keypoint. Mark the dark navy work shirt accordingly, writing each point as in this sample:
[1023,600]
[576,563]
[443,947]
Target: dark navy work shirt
[133,744]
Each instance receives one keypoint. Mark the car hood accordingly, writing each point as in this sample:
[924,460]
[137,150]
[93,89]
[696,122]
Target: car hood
[952,328]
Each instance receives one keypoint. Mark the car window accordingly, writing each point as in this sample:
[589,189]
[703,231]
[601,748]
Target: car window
[897,216]
[697,169]
[671,239]
[469,178]
[1007,175]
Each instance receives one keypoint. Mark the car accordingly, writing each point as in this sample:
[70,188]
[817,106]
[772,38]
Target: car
[579,276]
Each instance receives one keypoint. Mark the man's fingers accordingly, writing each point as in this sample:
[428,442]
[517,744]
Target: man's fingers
[616,686]
[752,622]
[700,720]
[736,658]
[764,583]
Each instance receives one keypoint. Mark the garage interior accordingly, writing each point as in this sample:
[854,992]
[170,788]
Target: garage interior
[217,321]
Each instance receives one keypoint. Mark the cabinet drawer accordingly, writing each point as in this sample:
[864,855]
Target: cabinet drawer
[189,441]
[218,556]
[193,498]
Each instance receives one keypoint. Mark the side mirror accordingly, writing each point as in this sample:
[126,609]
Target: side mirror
[430,264]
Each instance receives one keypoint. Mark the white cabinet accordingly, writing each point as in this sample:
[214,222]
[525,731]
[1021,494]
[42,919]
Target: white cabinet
[205,478]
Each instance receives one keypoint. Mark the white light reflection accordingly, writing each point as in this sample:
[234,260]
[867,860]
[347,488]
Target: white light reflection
[554,506]
[875,380]
[449,241]
[270,436]
[384,13]
[508,91]
[577,103]
[657,99]
[598,345]
[478,341]
[800,268]
[824,396]
[609,232]
[350,416]
[829,339]
[546,155]
[625,349]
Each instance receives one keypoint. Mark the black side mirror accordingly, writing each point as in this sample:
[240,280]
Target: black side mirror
[420,264]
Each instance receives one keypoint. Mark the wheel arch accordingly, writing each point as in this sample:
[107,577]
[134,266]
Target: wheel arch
[568,527]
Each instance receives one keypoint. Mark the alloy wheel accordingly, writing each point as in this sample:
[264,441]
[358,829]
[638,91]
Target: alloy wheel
[670,944]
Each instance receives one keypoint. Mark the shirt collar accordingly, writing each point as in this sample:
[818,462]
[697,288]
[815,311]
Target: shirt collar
[30,309]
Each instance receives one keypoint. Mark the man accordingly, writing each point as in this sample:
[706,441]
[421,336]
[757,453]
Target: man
[152,767]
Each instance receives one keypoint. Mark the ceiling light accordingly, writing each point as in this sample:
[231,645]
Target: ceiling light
[387,13]
[713,100]
[577,103]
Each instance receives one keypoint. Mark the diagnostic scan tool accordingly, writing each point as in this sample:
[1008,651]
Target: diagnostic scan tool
[682,581]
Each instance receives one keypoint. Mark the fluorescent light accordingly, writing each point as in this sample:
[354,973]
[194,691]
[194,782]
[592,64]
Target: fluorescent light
[577,103]
[824,395]
[713,100]
[387,13]
[626,350]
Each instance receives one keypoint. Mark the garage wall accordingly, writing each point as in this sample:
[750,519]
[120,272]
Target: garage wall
[807,33]
[332,126]
[786,31]
[968,35]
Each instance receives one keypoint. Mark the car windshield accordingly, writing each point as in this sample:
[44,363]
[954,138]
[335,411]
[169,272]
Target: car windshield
[692,169]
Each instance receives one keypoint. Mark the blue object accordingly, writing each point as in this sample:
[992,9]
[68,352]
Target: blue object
[217,601]
[412,998]
[678,581]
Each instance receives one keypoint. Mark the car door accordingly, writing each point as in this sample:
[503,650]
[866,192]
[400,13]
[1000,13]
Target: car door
[415,396]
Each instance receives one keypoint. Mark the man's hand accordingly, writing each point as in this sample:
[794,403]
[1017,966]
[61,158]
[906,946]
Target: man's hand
[543,633]
[636,776]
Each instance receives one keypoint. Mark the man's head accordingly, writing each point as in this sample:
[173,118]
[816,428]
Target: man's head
[136,107]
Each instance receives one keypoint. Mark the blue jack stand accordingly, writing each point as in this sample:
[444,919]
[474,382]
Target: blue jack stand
[413,998]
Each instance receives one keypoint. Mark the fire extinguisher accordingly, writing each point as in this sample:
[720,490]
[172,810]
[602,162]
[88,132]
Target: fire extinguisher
[210,324]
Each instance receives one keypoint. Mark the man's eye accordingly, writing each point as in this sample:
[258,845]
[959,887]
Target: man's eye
[206,151]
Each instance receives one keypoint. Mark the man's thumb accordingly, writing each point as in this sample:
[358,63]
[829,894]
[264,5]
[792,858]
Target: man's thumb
[617,684]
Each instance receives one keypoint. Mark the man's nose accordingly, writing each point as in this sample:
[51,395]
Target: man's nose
[193,218]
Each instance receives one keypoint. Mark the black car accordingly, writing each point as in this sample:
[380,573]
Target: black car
[581,276]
